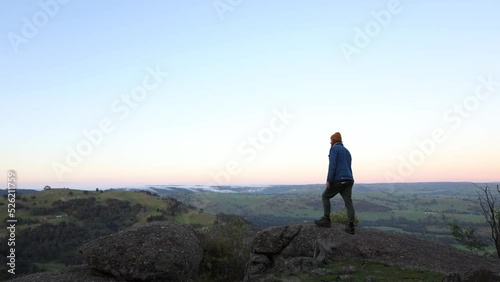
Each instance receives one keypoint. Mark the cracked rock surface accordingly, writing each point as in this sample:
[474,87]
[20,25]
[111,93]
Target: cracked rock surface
[286,249]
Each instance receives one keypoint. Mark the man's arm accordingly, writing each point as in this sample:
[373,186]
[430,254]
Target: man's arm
[331,165]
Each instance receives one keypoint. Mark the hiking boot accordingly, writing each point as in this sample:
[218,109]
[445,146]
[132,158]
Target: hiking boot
[323,222]
[349,228]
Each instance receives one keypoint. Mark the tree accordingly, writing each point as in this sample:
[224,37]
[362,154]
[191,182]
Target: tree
[468,238]
[492,214]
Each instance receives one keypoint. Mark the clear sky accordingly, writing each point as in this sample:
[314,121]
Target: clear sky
[125,93]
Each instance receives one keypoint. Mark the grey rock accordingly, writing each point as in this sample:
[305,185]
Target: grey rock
[267,278]
[297,265]
[258,263]
[306,247]
[480,275]
[157,251]
[275,239]
[320,272]
[452,277]
[79,273]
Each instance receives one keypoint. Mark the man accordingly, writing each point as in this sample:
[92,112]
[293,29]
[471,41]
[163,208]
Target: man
[339,180]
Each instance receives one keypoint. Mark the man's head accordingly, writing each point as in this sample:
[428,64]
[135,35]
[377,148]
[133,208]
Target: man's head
[336,137]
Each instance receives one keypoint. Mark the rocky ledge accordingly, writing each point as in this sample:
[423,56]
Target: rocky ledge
[166,251]
[291,249]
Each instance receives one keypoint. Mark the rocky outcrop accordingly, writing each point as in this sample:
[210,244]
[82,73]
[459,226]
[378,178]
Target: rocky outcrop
[285,250]
[166,251]
[158,251]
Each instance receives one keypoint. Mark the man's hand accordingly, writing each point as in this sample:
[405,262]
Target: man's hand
[327,185]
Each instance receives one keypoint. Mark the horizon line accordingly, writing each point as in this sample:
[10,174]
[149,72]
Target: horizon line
[255,185]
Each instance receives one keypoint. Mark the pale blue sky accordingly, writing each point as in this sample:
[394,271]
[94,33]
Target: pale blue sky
[228,74]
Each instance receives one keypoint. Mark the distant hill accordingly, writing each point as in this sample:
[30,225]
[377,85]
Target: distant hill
[420,187]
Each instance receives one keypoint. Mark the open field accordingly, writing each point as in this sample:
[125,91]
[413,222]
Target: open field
[414,208]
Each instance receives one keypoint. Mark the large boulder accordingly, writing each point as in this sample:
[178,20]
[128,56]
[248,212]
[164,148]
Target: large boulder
[158,251]
[286,250]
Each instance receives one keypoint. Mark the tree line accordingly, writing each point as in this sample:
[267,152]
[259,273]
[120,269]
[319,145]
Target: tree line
[46,242]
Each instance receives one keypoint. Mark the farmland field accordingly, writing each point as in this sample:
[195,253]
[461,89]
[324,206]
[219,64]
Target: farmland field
[423,209]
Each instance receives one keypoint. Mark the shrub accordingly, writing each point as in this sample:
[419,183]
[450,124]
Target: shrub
[226,250]
[341,217]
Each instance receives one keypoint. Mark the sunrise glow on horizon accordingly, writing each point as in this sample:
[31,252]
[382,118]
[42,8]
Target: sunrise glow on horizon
[123,94]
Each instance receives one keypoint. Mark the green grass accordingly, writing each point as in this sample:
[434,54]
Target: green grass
[406,209]
[195,218]
[370,216]
[307,205]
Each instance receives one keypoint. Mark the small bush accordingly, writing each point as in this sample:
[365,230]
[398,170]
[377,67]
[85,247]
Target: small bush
[341,217]
[226,250]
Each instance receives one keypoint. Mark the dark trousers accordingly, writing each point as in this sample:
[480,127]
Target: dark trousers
[345,190]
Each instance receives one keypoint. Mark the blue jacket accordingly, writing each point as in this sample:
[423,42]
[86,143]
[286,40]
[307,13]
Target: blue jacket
[339,167]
